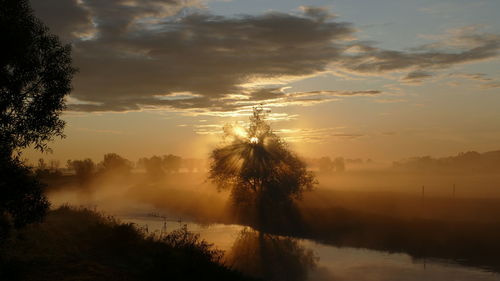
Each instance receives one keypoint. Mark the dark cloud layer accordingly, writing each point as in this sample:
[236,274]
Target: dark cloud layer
[66,18]
[471,47]
[168,53]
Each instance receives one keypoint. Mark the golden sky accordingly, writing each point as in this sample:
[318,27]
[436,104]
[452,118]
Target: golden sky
[358,79]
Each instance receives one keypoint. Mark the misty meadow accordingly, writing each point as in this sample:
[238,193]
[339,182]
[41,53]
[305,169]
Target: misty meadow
[249,140]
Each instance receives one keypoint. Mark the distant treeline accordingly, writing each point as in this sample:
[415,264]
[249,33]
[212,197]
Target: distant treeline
[159,165]
[470,161]
[166,164]
[114,167]
[326,164]
[154,165]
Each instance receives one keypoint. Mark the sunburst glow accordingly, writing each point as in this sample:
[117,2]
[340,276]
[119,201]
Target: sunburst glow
[239,132]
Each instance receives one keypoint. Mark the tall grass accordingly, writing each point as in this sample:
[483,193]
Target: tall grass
[81,244]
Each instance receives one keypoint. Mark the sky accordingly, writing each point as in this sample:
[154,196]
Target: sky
[384,79]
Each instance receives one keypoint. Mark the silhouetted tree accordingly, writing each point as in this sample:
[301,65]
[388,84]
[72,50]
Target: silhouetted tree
[41,169]
[172,163]
[83,169]
[339,164]
[46,171]
[35,77]
[153,166]
[113,162]
[325,164]
[470,162]
[41,164]
[54,165]
[262,173]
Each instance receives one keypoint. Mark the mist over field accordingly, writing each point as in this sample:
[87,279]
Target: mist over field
[448,193]
[420,212]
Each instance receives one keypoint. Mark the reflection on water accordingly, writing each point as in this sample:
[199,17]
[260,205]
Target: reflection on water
[283,258]
[270,257]
[350,264]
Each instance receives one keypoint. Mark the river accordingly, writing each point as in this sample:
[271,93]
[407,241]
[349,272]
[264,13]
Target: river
[321,262]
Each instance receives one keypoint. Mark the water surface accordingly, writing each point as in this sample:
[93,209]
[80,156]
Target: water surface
[279,256]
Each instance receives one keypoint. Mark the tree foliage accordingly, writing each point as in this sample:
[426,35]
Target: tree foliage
[21,200]
[35,77]
[113,162]
[258,166]
[326,165]
[153,166]
[172,163]
[83,169]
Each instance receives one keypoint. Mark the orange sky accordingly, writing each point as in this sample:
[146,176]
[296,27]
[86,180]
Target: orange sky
[341,79]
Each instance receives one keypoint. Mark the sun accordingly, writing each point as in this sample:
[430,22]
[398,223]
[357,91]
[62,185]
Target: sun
[254,140]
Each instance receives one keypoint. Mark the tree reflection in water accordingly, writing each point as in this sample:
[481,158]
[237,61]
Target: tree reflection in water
[271,257]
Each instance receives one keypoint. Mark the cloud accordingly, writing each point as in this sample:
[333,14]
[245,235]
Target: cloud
[208,129]
[320,13]
[390,133]
[230,105]
[486,82]
[482,77]
[156,48]
[416,77]
[316,135]
[277,97]
[140,54]
[309,135]
[349,136]
[492,85]
[457,46]
[113,132]
[66,18]
[344,93]
[390,100]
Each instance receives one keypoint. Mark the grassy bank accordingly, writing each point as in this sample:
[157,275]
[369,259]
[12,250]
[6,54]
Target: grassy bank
[80,244]
[464,242]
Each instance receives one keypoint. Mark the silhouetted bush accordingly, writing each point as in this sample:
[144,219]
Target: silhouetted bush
[80,244]
[21,199]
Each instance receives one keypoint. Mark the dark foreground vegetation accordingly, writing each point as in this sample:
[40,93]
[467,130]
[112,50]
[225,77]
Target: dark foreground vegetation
[80,244]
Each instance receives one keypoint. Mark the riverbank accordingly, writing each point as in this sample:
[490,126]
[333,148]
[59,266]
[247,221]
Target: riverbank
[80,244]
[457,229]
